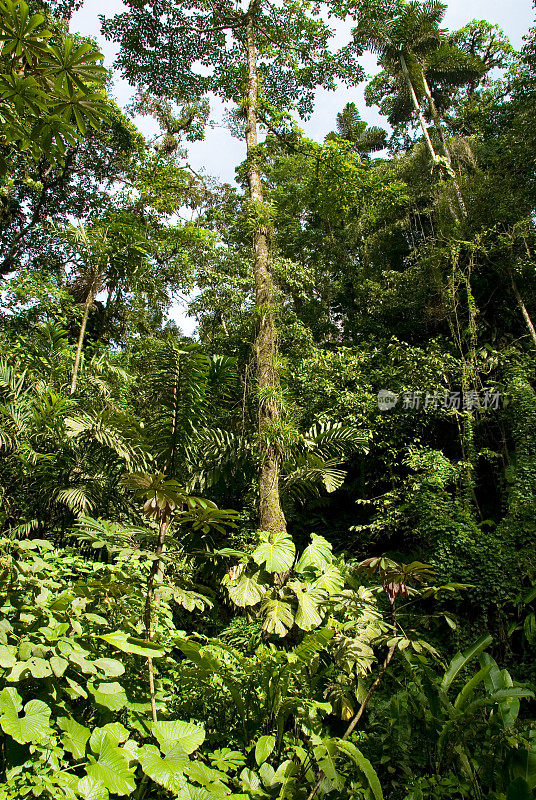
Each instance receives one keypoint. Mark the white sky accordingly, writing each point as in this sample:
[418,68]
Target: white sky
[220,153]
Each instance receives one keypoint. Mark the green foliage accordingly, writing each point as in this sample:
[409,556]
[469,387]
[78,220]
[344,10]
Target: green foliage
[51,87]
[153,642]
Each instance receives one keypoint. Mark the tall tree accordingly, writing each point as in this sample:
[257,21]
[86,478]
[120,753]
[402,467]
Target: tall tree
[263,57]
[97,250]
[411,46]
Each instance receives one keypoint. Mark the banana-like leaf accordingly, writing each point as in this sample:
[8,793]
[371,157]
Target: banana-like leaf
[468,690]
[350,750]
[461,659]
[519,789]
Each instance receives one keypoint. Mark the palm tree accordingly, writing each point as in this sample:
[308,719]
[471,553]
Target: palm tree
[412,49]
[98,250]
[365,138]
[188,387]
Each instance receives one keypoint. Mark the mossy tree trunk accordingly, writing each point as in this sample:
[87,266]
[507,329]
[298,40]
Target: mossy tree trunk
[271,514]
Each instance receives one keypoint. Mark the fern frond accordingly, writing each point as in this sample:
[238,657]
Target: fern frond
[331,439]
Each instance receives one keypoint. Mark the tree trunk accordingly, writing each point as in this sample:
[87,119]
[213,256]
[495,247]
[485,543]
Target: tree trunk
[417,107]
[156,576]
[271,515]
[523,308]
[439,129]
[87,307]
[435,116]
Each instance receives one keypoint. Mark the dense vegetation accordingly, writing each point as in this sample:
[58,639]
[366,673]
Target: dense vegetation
[294,556]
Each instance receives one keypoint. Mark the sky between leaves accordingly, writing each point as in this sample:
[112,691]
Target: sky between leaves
[220,153]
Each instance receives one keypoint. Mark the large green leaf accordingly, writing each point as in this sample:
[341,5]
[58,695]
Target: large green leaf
[276,551]
[468,690]
[523,765]
[58,665]
[519,790]
[75,736]
[496,680]
[200,773]
[330,581]
[278,617]
[509,708]
[214,792]
[308,615]
[90,789]
[167,771]
[115,731]
[184,737]
[250,779]
[263,748]
[130,644]
[8,657]
[312,643]
[349,749]
[461,659]
[111,769]
[284,771]
[325,755]
[110,667]
[32,727]
[512,691]
[246,590]
[318,554]
[109,695]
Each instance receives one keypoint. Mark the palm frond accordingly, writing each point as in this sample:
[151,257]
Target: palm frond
[11,383]
[222,454]
[311,475]
[180,381]
[76,498]
[450,65]
[112,431]
[23,529]
[333,439]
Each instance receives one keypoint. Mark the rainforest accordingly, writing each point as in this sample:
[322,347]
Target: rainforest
[267,436]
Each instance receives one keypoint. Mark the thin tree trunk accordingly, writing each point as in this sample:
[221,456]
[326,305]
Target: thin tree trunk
[435,116]
[87,307]
[422,121]
[417,107]
[523,308]
[440,135]
[271,515]
[155,576]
